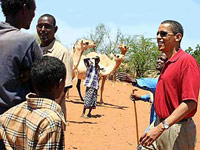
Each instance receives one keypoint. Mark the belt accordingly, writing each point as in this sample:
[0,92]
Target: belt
[183,120]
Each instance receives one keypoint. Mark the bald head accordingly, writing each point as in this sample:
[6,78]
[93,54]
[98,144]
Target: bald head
[162,58]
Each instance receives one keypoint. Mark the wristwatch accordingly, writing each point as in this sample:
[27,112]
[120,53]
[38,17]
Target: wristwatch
[165,125]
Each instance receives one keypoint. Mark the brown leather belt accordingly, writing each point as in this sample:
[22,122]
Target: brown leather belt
[183,120]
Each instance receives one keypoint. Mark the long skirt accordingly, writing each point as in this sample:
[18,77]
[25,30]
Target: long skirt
[90,98]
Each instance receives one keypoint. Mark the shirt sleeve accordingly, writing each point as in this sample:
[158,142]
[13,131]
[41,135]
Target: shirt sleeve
[34,52]
[190,83]
[147,83]
[68,61]
[145,98]
[51,140]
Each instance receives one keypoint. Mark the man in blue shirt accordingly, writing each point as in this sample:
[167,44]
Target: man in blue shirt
[146,84]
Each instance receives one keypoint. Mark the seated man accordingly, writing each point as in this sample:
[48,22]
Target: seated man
[38,123]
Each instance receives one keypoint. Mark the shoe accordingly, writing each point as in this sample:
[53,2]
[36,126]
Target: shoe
[89,115]
[84,116]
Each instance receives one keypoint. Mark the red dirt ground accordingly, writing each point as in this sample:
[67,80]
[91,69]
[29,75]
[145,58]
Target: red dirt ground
[112,126]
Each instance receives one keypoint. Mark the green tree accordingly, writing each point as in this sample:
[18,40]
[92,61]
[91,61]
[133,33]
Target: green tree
[195,53]
[104,43]
[141,57]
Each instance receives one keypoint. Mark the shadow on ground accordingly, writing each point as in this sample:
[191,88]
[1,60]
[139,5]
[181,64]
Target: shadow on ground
[107,105]
[81,122]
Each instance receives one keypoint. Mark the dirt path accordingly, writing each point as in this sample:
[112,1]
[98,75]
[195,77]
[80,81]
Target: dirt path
[112,126]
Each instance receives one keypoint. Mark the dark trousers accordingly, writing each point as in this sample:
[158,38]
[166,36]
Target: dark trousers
[2,146]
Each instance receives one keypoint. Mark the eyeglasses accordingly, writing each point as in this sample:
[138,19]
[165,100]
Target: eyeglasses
[46,26]
[164,33]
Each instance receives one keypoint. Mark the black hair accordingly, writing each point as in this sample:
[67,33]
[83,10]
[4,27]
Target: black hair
[46,73]
[12,7]
[49,16]
[175,26]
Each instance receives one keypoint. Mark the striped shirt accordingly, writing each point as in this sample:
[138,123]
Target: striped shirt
[37,123]
[92,76]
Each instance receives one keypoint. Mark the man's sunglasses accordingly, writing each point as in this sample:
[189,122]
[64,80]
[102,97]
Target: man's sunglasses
[163,33]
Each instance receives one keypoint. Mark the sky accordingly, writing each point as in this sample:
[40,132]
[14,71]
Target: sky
[77,18]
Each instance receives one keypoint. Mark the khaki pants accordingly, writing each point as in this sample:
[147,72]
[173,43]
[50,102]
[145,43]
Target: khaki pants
[180,136]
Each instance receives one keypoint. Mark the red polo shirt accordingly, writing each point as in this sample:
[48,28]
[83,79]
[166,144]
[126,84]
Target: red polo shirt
[178,82]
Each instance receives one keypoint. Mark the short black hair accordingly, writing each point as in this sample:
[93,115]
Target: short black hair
[46,73]
[49,16]
[11,7]
[175,26]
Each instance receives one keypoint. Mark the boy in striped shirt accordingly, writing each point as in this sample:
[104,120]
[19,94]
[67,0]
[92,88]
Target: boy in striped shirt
[92,84]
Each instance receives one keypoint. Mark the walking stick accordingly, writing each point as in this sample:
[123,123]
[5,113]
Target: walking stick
[136,120]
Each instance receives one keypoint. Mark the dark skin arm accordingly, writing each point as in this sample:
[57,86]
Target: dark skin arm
[86,62]
[24,76]
[122,76]
[101,68]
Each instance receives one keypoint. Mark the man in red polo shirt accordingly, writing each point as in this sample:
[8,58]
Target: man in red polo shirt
[176,94]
